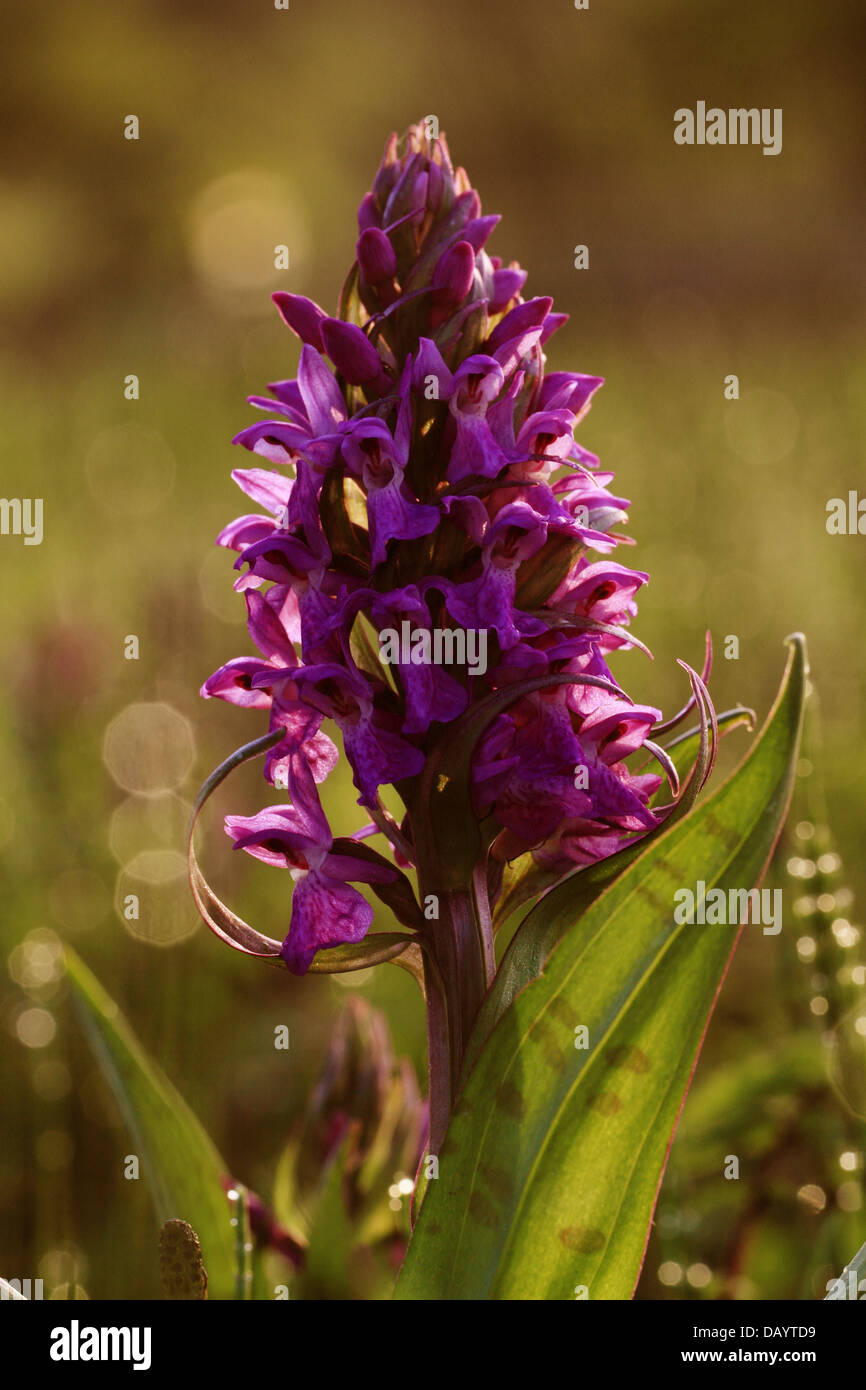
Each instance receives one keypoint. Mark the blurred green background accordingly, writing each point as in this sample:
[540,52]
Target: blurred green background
[155,257]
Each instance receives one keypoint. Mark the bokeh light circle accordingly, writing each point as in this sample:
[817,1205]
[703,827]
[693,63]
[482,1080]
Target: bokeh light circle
[149,748]
[153,900]
[234,225]
[35,1027]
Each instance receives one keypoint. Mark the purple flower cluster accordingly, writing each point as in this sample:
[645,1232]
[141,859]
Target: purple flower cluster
[431,480]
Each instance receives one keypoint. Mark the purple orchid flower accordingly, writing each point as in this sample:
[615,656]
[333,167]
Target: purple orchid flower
[431,692]
[431,484]
[326,910]
[267,684]
[488,601]
[377,752]
[375,457]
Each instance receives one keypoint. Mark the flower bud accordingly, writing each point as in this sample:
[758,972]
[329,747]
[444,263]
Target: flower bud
[351,352]
[388,172]
[404,195]
[506,284]
[362,1088]
[302,315]
[368,213]
[376,256]
[452,280]
[436,188]
[530,314]
[478,229]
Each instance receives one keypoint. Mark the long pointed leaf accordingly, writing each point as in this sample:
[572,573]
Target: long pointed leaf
[551,1166]
[178,1159]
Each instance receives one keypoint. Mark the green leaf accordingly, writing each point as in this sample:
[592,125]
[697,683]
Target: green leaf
[178,1159]
[551,1166]
[373,950]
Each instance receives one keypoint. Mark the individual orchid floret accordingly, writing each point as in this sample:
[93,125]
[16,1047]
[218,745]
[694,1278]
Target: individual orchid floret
[326,910]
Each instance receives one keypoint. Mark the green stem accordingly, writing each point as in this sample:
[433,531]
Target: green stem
[243,1241]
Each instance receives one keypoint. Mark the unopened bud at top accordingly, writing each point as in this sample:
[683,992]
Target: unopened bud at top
[376,256]
[303,317]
